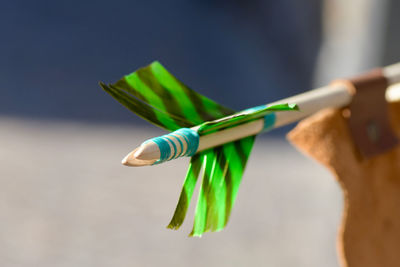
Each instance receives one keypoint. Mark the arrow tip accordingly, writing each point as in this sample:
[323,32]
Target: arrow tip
[144,155]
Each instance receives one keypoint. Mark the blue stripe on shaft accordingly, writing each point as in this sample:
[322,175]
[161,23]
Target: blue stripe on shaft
[269,121]
[168,138]
[180,145]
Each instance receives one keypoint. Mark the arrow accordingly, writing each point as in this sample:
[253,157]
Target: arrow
[217,139]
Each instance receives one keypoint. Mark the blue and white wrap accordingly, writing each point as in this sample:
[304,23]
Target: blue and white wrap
[183,142]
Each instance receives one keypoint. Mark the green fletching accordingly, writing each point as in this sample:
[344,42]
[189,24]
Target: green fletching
[187,191]
[223,169]
[142,109]
[157,96]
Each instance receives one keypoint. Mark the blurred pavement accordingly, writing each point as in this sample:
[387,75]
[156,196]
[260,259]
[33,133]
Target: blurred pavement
[67,201]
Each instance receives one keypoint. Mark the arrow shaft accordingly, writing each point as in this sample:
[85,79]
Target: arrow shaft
[335,95]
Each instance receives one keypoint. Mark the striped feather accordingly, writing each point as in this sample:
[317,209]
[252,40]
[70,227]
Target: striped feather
[144,110]
[157,96]
[187,191]
[223,169]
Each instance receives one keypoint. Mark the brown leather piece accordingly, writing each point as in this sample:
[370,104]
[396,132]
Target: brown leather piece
[368,117]
[369,235]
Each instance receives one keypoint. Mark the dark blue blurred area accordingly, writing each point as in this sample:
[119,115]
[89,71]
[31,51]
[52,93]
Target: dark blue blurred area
[239,53]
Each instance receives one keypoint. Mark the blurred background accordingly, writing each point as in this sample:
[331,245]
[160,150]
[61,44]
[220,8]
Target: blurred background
[65,199]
